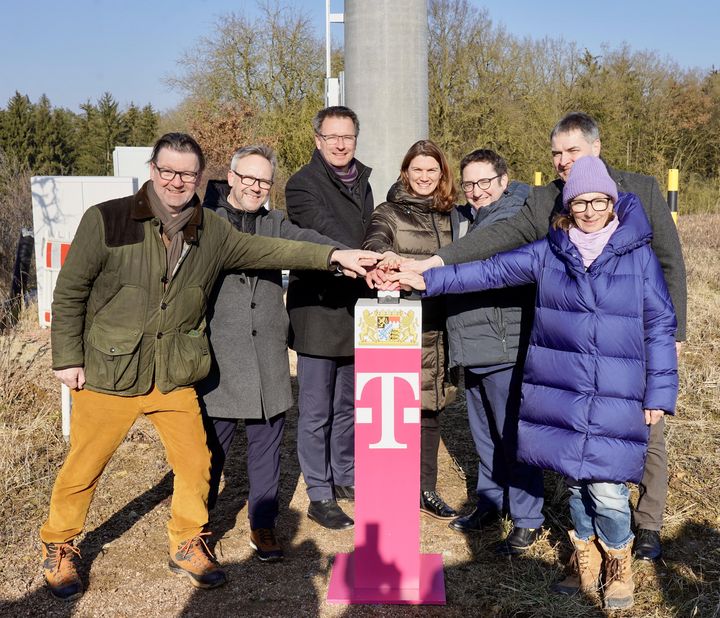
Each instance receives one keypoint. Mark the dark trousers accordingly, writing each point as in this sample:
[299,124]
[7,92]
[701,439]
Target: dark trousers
[654,484]
[493,401]
[264,438]
[326,423]
[429,446]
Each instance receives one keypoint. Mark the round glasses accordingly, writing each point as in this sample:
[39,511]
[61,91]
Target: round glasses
[483,183]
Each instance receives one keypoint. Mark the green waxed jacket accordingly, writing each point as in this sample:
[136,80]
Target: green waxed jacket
[130,324]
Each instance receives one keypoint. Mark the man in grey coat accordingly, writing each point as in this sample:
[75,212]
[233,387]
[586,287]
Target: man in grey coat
[248,326]
[577,135]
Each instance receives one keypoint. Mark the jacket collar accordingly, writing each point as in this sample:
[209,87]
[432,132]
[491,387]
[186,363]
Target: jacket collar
[140,211]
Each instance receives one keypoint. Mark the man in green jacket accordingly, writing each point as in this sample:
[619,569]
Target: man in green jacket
[128,337]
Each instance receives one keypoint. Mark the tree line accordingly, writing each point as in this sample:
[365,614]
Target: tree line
[52,141]
[262,80]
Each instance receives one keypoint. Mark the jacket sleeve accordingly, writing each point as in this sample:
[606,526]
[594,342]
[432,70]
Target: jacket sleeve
[508,269]
[666,245]
[483,242]
[380,235]
[660,324]
[290,231]
[243,251]
[82,266]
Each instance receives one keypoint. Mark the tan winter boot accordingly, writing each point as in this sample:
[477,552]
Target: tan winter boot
[618,586]
[585,563]
[194,559]
[59,563]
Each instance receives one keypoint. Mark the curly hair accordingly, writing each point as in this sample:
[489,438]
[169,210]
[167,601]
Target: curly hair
[445,193]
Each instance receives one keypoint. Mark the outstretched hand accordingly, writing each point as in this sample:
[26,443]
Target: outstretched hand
[407,281]
[420,266]
[353,262]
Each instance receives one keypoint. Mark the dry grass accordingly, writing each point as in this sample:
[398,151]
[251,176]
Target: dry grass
[131,506]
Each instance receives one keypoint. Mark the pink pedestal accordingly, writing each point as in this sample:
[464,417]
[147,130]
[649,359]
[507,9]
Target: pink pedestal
[386,566]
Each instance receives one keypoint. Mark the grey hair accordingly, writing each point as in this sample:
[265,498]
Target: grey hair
[255,149]
[577,121]
[336,111]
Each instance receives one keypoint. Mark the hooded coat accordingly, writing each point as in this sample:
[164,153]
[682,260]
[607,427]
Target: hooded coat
[407,225]
[602,347]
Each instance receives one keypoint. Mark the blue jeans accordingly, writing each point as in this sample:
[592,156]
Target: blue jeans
[601,509]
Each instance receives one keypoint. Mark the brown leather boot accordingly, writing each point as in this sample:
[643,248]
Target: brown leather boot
[585,564]
[60,570]
[618,586]
[194,559]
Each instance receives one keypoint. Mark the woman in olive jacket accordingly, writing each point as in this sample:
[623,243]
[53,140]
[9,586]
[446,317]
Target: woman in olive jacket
[415,223]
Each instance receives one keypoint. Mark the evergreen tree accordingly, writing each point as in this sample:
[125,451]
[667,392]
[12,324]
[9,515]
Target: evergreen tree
[16,134]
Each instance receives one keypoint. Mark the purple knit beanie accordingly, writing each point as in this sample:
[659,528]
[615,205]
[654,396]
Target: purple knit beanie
[589,175]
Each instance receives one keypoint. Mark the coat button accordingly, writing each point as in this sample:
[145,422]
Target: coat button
[164,280]
[155,222]
[159,335]
[112,350]
[163,306]
[242,279]
[253,305]
[254,332]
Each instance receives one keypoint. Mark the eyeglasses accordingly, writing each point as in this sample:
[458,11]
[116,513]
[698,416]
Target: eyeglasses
[249,181]
[598,204]
[483,183]
[168,174]
[332,140]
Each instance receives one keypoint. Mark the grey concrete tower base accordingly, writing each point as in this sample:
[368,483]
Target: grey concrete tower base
[386,82]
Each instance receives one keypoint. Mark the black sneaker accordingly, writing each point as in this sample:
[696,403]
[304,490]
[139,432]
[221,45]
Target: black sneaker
[433,505]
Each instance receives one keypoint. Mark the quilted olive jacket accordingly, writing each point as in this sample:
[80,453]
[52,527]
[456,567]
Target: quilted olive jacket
[118,313]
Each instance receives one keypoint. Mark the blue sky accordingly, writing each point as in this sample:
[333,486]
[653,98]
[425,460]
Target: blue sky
[77,50]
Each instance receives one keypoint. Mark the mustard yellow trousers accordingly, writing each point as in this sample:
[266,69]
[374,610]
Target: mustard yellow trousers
[98,425]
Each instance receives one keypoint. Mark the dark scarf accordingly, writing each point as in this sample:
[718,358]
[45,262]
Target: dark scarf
[172,227]
[349,177]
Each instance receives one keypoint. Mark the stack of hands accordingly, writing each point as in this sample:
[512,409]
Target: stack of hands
[393,272]
[387,271]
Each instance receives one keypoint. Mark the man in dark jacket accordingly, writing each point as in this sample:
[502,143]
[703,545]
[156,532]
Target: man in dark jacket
[488,336]
[128,337]
[574,136]
[248,326]
[331,195]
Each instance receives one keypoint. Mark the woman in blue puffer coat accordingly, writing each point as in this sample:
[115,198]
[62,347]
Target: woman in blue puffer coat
[601,366]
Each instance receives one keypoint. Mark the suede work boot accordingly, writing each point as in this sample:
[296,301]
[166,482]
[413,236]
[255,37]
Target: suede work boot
[585,564]
[60,570]
[194,559]
[266,546]
[618,586]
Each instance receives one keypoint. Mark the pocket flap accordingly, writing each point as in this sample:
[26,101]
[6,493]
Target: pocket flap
[115,341]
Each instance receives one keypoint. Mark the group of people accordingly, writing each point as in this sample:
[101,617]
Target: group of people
[164,309]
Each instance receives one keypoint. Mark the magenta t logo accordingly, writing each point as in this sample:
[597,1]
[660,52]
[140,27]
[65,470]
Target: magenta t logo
[387,405]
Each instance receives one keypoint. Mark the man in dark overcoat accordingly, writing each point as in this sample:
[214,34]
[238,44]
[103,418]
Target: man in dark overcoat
[331,195]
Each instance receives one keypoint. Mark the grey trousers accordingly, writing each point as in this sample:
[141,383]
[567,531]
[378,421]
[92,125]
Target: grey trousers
[648,513]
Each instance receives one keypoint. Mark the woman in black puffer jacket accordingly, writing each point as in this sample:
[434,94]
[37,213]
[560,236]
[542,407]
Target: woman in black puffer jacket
[415,223]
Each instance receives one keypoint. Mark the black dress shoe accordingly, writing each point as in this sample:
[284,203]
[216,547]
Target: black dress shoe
[345,492]
[475,521]
[518,541]
[647,545]
[432,504]
[329,515]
